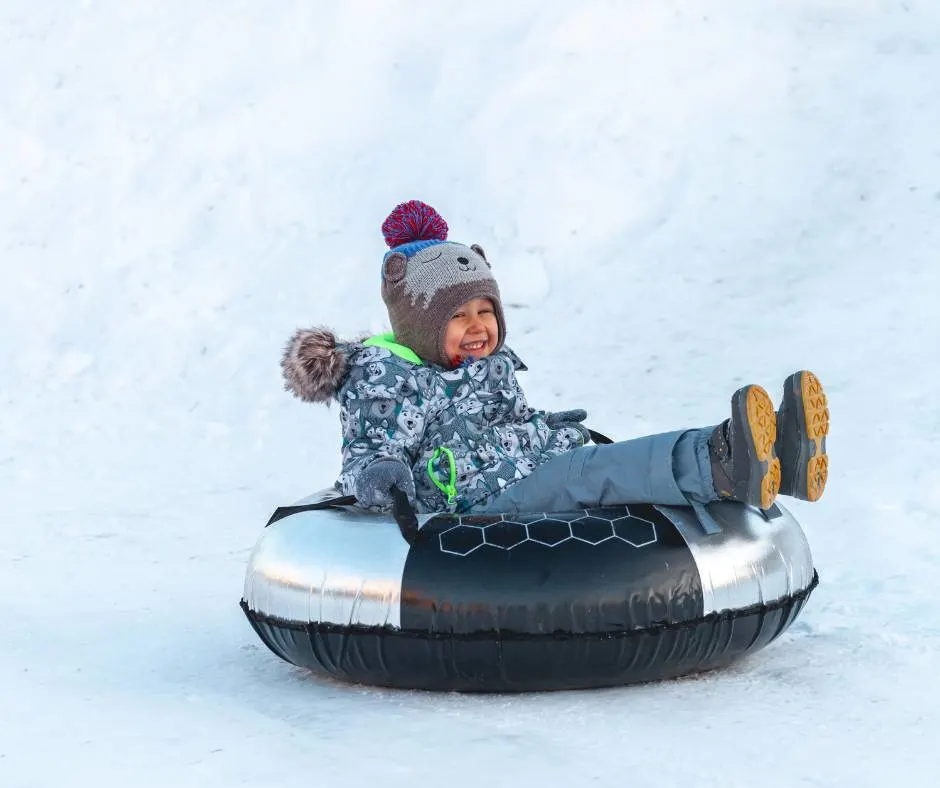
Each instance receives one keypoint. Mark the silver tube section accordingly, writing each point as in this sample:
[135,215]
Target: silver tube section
[751,561]
[338,566]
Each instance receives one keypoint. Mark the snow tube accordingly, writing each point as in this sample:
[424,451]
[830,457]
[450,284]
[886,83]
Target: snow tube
[561,600]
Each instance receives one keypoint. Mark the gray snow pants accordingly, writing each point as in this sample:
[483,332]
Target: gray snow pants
[672,468]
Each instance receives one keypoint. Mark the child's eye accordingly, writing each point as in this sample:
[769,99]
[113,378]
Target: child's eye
[459,314]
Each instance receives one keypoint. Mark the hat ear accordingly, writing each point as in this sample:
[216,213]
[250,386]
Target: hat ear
[479,250]
[394,267]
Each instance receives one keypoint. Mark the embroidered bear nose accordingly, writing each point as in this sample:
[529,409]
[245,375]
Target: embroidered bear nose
[462,260]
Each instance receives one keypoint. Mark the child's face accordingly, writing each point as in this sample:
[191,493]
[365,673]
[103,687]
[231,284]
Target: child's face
[472,331]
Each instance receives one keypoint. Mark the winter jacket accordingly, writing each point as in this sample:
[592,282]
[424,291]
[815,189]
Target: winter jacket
[394,405]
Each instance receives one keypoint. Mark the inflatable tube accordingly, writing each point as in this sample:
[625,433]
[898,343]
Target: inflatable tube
[563,600]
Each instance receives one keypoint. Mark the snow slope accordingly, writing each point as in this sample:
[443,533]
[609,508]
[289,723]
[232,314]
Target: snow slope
[678,197]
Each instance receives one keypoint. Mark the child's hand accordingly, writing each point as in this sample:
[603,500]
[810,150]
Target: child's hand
[569,418]
[374,484]
[565,418]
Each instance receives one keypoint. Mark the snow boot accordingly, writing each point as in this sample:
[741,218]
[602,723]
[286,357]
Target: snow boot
[802,426]
[744,463]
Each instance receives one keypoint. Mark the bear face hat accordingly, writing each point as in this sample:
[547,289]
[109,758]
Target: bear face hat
[426,278]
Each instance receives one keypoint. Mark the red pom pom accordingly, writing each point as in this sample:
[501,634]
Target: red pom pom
[413,221]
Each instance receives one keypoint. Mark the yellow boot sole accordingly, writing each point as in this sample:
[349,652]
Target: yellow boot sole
[816,418]
[762,422]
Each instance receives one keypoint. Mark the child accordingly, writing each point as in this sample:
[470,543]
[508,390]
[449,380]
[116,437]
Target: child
[435,408]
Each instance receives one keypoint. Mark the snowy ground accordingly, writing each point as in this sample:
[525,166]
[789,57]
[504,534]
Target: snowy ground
[678,197]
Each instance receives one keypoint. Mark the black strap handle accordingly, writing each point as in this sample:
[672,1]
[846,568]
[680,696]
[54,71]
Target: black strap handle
[404,515]
[402,510]
[599,438]
[330,503]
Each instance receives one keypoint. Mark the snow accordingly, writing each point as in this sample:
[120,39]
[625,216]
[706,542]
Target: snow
[677,198]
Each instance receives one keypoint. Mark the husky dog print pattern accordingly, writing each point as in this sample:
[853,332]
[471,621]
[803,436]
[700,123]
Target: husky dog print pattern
[390,407]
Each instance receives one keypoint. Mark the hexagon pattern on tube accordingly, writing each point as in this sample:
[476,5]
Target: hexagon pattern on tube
[548,530]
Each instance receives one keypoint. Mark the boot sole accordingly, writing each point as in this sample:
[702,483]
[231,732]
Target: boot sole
[807,461]
[754,409]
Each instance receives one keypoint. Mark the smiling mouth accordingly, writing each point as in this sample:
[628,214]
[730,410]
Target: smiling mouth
[472,347]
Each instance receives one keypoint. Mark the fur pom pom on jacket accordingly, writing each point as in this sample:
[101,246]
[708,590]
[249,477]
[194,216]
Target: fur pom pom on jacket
[313,365]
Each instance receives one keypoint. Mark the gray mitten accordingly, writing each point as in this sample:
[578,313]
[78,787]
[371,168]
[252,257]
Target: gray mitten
[569,418]
[374,483]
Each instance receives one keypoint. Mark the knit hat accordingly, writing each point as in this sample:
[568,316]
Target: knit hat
[426,278]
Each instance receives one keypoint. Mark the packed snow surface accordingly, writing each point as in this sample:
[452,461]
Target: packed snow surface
[677,198]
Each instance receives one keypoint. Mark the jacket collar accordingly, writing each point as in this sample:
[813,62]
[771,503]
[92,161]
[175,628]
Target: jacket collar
[388,342]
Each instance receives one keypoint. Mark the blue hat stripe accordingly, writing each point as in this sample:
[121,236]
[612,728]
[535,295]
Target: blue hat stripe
[410,249]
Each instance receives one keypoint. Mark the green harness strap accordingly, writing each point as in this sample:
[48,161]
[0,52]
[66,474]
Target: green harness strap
[449,489]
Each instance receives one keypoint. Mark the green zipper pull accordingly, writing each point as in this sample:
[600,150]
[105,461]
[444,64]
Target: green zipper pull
[449,489]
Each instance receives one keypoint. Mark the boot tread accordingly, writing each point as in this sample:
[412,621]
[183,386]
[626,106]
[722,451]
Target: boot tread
[762,422]
[816,420]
